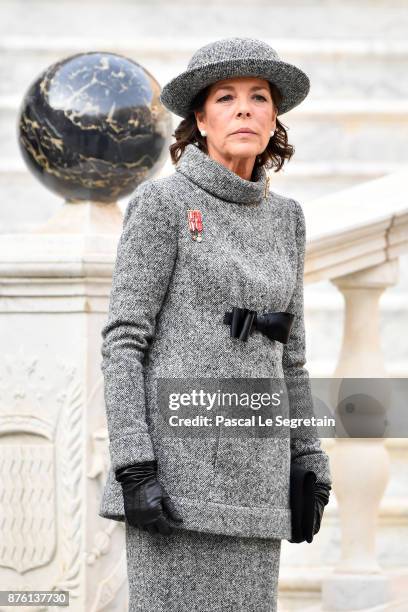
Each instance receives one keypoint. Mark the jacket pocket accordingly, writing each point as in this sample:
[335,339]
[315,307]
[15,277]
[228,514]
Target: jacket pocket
[252,472]
[186,465]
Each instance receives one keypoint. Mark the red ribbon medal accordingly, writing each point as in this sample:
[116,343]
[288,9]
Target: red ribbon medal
[195,224]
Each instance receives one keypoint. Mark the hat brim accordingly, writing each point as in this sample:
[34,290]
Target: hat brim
[293,83]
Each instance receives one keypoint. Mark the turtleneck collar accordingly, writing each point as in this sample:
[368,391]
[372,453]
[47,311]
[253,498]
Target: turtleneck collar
[219,180]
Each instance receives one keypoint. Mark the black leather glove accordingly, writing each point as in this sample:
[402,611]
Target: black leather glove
[307,500]
[302,502]
[145,498]
[321,496]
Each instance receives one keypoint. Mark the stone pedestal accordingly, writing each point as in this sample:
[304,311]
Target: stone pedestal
[356,592]
[54,290]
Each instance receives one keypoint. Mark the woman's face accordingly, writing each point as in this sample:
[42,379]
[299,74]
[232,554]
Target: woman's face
[233,104]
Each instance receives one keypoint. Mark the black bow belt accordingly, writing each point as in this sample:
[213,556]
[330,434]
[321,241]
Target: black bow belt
[275,325]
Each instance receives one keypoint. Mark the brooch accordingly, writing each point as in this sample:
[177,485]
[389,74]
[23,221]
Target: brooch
[195,224]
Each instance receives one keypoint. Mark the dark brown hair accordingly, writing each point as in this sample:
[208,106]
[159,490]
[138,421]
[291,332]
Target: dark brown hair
[276,153]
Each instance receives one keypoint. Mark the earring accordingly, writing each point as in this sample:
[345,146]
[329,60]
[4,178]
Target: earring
[272,132]
[203,133]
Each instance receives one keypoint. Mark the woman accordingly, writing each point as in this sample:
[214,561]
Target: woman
[208,282]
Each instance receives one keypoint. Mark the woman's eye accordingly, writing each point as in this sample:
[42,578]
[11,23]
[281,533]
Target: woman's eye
[228,96]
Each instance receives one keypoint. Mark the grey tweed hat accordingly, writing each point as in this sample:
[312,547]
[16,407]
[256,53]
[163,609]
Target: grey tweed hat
[233,57]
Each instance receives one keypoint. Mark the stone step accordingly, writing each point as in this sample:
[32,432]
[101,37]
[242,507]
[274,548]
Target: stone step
[25,203]
[346,19]
[300,590]
[347,68]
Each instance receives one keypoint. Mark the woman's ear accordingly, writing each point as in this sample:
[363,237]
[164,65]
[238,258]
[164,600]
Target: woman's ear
[198,118]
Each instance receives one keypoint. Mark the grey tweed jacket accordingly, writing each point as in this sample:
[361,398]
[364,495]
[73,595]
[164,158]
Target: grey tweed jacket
[168,298]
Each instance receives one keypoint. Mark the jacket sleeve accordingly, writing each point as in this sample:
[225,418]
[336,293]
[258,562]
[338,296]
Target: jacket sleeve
[305,444]
[145,258]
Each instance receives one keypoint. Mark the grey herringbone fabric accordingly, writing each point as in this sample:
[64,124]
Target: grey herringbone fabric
[189,571]
[169,295]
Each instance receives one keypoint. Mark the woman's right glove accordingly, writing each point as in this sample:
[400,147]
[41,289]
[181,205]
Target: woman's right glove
[321,495]
[145,498]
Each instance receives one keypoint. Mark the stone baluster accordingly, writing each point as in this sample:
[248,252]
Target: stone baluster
[360,466]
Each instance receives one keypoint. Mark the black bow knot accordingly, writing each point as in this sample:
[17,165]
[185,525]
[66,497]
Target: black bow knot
[275,325]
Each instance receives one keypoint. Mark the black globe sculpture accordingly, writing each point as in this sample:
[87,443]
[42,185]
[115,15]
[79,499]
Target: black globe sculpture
[92,127]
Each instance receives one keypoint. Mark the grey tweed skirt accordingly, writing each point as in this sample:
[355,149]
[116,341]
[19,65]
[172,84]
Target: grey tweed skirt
[191,570]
